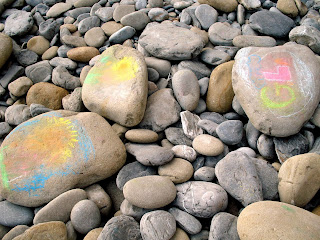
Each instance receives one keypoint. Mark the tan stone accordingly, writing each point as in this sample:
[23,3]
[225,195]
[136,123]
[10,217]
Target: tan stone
[220,93]
[267,220]
[299,179]
[288,7]
[38,44]
[178,170]
[20,86]
[57,9]
[5,48]
[111,27]
[84,73]
[203,34]
[180,235]
[316,210]
[50,53]
[46,94]
[207,145]
[98,195]
[222,5]
[82,54]
[71,27]
[93,234]
[141,136]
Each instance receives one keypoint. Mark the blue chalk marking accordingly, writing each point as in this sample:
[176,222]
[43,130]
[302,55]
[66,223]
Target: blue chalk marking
[259,83]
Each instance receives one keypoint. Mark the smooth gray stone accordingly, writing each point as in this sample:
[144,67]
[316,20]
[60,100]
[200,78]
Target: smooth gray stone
[206,15]
[224,226]
[13,215]
[271,23]
[185,17]
[316,146]
[140,4]
[212,161]
[133,170]
[201,199]
[310,22]
[88,23]
[33,2]
[203,83]
[231,50]
[42,9]
[26,57]
[82,16]
[12,74]
[39,72]
[153,75]
[62,78]
[37,109]
[222,33]
[214,57]
[203,235]
[237,107]
[120,228]
[105,13]
[66,62]
[247,30]
[138,20]
[5,129]
[95,8]
[202,106]
[158,14]
[230,132]
[192,12]
[128,209]
[240,14]
[310,137]
[49,28]
[198,163]
[71,232]
[198,68]
[245,185]
[290,146]
[17,114]
[252,135]
[150,154]
[306,35]
[73,102]
[121,35]
[18,23]
[157,225]
[74,13]
[249,151]
[186,221]
[213,116]
[265,146]
[62,51]
[162,66]
[177,137]
[232,116]
[209,126]
[204,173]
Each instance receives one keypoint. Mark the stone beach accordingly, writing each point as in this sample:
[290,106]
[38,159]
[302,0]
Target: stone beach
[159,119]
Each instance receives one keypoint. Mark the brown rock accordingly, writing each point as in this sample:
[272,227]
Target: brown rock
[288,7]
[178,170]
[38,44]
[207,145]
[141,136]
[5,48]
[222,5]
[111,27]
[50,53]
[46,94]
[93,234]
[82,54]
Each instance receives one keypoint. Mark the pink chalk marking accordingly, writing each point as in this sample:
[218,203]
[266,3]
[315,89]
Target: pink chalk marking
[282,74]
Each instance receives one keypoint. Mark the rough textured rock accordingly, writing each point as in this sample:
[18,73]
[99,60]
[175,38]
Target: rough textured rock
[306,35]
[224,226]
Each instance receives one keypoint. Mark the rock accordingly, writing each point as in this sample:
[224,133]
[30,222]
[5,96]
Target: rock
[38,44]
[128,209]
[93,234]
[105,13]
[141,136]
[271,23]
[150,155]
[190,124]
[288,7]
[150,191]
[306,35]
[186,89]
[220,93]
[162,110]
[157,225]
[57,9]
[5,128]
[185,152]
[267,216]
[15,214]
[201,199]
[111,93]
[206,15]
[138,20]
[18,23]
[121,227]
[204,174]
[87,154]
[213,116]
[98,195]
[72,41]
[37,109]
[62,78]
[299,179]
[184,44]
[198,68]
[224,225]
[14,232]
[260,71]
[316,117]
[39,72]
[207,145]
[214,57]
[222,33]
[85,216]
[82,54]
[290,146]
[160,65]
[186,221]
[5,48]
[20,86]
[95,37]
[67,63]
[158,14]
[242,41]
[49,28]
[111,27]
[51,230]
[88,23]
[59,208]
[230,132]
[178,170]
[17,114]
[180,235]
[245,186]
[46,94]
[224,6]
[121,11]
[122,35]
[252,135]
[176,136]
[265,146]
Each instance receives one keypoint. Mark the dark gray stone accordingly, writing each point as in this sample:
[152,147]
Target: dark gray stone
[37,109]
[198,68]
[12,74]
[153,75]
[209,126]
[39,72]
[214,57]
[62,78]
[49,28]
[66,62]
[230,132]
[316,146]
[88,23]
[18,23]
[211,161]
[26,57]
[203,235]
[222,33]
[252,135]
[62,51]
[203,83]
[177,137]
[121,35]
[138,20]
[74,13]
[13,215]
[265,146]
[5,128]
[128,209]
[224,226]
[198,163]
[213,116]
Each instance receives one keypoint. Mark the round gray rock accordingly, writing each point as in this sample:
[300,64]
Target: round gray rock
[230,132]
[224,226]
[18,23]
[13,215]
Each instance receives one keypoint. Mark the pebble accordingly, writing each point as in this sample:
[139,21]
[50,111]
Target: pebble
[17,114]
[265,146]
[67,63]
[57,9]
[49,28]
[15,214]
[82,54]
[190,124]
[306,35]
[88,23]
[50,53]
[14,232]
[230,132]
[198,68]
[105,13]
[5,128]
[128,209]
[224,225]
[5,48]
[62,78]
[158,14]
[95,37]
[222,33]
[73,41]
[162,66]
[20,86]
[18,23]
[141,136]
[185,152]
[242,41]
[204,173]
[177,137]
[121,11]
[39,72]
[93,234]
[138,20]
[224,6]
[99,196]
[37,109]
[157,225]
[206,15]
[111,27]
[84,3]
[122,35]
[180,235]
[214,57]
[150,191]
[207,145]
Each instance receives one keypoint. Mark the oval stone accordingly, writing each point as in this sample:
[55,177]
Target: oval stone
[54,152]
[5,48]
[178,170]
[278,88]
[117,86]
[150,191]
[207,145]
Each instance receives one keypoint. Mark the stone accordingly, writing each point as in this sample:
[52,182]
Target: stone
[39,72]
[87,154]
[224,6]
[242,41]
[49,28]
[206,15]
[180,235]
[88,23]
[62,78]
[157,225]
[271,23]
[185,152]
[111,27]
[122,10]
[176,136]
[57,9]
[128,209]
[82,54]
[5,128]
[18,23]
[5,48]
[190,124]
[162,110]
[245,186]
[150,155]
[59,208]
[260,71]
[98,195]
[184,44]
[95,37]
[201,199]
[265,146]
[214,57]
[138,20]
[150,191]
[66,62]
[162,66]
[93,234]
[20,86]
[252,135]
[222,33]
[71,232]
[204,173]
[17,114]
[14,232]
[122,35]
[198,68]
[251,4]
[290,146]
[72,41]
[178,170]
[316,117]
[131,171]
[26,57]
[46,94]
[84,3]
[141,136]
[85,216]
[186,221]
[51,230]
[267,216]
[111,93]
[230,132]
[37,109]
[299,179]
[288,7]
[121,227]
[186,89]
[158,14]
[105,13]
[207,145]
[14,214]
[306,35]
[224,225]
[220,92]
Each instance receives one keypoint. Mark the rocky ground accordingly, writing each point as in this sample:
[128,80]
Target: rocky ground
[159,119]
